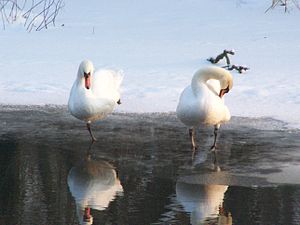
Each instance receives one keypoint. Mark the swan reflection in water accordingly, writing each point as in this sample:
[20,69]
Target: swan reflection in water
[93,184]
[203,202]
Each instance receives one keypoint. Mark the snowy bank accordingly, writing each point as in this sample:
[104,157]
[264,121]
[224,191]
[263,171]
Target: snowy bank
[159,45]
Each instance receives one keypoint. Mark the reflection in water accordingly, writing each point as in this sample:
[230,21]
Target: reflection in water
[93,184]
[37,152]
[203,202]
[200,158]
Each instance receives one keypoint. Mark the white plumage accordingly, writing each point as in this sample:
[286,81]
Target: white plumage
[94,95]
[202,102]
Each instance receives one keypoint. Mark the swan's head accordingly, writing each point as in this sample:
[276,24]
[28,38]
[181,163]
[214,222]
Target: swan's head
[216,73]
[226,81]
[86,70]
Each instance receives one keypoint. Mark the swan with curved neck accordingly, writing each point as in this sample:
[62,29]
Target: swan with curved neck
[94,95]
[202,102]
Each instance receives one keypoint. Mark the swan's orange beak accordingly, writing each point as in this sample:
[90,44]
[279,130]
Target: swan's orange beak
[87,79]
[223,92]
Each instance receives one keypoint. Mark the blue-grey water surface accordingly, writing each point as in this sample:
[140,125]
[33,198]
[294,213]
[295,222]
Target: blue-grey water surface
[142,170]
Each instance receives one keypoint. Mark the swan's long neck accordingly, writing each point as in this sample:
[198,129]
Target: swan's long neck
[80,79]
[200,78]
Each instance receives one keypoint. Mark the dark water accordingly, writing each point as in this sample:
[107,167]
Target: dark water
[142,171]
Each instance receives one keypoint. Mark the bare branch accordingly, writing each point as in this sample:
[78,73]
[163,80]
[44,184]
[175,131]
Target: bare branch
[283,3]
[38,14]
[224,54]
[3,23]
[240,69]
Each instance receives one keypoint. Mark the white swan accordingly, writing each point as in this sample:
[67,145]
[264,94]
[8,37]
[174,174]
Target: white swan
[93,184]
[94,95]
[202,103]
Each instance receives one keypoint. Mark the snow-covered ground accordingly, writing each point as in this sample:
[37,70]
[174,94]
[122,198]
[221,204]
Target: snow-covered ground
[159,44]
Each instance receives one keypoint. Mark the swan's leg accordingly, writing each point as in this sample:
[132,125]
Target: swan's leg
[192,136]
[88,125]
[213,148]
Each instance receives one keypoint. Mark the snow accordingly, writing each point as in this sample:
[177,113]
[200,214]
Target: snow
[159,45]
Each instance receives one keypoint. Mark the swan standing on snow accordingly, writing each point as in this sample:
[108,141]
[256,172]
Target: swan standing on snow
[202,102]
[94,95]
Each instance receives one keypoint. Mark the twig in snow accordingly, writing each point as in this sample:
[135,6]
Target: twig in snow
[224,54]
[282,3]
[240,69]
[36,13]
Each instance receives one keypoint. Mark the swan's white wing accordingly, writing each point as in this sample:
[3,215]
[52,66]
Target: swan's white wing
[189,109]
[204,108]
[216,111]
[106,84]
[89,108]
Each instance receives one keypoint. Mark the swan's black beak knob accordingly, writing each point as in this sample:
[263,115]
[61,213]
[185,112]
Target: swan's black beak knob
[223,92]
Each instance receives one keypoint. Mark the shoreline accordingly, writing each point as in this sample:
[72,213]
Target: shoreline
[263,122]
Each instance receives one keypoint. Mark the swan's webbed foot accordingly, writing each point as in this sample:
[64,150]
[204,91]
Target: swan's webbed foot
[119,102]
[194,147]
[213,148]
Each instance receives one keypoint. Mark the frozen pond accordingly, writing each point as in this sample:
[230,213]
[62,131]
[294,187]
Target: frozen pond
[142,171]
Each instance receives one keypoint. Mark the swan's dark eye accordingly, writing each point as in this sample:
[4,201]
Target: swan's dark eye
[86,74]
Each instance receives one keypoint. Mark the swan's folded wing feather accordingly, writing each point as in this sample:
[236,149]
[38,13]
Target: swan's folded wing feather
[203,108]
[217,111]
[106,84]
[190,108]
